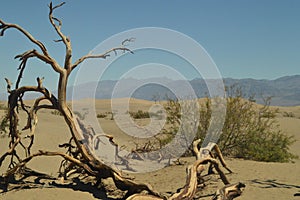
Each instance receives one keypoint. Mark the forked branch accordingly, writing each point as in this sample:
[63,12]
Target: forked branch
[66,40]
[104,55]
[4,26]
[32,53]
[16,100]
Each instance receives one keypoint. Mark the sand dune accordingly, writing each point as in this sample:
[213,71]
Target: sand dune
[263,180]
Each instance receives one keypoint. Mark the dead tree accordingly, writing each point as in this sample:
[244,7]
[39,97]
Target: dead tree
[83,156]
[79,154]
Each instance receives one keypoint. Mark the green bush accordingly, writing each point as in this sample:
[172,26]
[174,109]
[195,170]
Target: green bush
[250,131]
[4,124]
[253,133]
[101,115]
[139,114]
[4,121]
[288,114]
[3,107]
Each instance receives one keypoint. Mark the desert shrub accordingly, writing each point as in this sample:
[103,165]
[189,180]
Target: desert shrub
[173,112]
[4,124]
[205,112]
[288,114]
[4,121]
[101,115]
[164,139]
[139,114]
[56,112]
[181,120]
[3,107]
[250,131]
[80,115]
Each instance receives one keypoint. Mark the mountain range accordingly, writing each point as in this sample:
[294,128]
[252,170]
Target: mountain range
[285,91]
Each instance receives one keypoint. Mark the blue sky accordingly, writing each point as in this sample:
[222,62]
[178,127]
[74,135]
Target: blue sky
[246,39]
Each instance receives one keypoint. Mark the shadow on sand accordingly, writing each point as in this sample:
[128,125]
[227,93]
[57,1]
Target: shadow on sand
[272,183]
[35,180]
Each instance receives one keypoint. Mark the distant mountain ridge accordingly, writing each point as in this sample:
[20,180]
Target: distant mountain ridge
[285,91]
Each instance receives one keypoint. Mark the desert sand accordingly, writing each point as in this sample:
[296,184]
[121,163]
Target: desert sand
[280,181]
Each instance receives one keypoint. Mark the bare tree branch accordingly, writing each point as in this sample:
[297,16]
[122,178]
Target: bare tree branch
[21,68]
[64,39]
[23,58]
[48,153]
[10,151]
[59,40]
[4,26]
[196,150]
[126,41]
[9,84]
[32,113]
[104,55]
[57,6]
[32,53]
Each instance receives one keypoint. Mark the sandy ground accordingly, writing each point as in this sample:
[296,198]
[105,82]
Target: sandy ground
[263,180]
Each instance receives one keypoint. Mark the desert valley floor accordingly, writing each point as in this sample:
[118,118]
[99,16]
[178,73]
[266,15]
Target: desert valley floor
[276,181]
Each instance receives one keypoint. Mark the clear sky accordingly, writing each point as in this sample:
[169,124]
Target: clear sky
[246,38]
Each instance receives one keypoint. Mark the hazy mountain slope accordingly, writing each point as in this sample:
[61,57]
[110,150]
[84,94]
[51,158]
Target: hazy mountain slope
[285,91]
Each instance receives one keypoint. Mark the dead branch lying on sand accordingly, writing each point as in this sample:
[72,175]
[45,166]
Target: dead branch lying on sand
[79,155]
[228,192]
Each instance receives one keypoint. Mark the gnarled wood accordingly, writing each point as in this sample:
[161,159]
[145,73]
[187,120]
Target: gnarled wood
[229,192]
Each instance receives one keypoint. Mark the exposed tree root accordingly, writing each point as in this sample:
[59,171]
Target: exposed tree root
[228,192]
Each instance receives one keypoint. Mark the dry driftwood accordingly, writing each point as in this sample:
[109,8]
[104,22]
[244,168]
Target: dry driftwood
[228,192]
